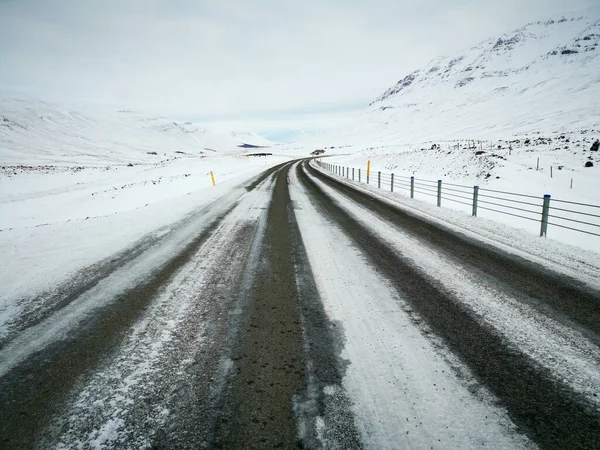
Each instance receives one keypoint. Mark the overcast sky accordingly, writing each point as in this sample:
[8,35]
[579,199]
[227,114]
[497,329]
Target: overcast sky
[278,67]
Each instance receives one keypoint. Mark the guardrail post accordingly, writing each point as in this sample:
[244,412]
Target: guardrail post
[353,174]
[475,197]
[359,175]
[379,180]
[545,213]
[439,197]
[412,187]
[392,184]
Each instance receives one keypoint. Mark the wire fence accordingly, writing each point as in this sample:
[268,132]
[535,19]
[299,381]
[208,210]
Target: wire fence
[573,216]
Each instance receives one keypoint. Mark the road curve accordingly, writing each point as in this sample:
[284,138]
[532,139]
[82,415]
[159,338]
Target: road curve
[299,312]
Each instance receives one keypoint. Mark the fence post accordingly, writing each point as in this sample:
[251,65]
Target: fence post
[392,184]
[439,197]
[359,175]
[475,197]
[347,172]
[545,213]
[379,180]
[353,174]
[412,187]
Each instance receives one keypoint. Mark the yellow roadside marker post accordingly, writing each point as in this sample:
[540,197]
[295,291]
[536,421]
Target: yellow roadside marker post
[212,177]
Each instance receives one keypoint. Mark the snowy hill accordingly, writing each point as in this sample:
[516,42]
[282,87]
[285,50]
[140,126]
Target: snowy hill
[518,113]
[542,77]
[76,188]
[532,93]
[34,132]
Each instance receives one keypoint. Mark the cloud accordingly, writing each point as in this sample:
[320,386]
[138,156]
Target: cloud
[216,59]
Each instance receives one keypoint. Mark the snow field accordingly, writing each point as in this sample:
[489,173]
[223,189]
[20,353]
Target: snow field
[516,174]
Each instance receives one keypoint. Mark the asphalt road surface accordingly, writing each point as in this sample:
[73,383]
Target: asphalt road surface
[299,312]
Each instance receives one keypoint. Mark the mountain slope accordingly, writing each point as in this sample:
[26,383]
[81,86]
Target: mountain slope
[516,113]
[35,132]
[543,77]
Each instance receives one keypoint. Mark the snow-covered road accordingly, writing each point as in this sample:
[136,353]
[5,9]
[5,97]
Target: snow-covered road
[296,311]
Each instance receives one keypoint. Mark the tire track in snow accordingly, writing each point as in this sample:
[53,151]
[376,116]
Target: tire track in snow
[550,413]
[33,309]
[569,355]
[284,352]
[408,390]
[531,283]
[40,366]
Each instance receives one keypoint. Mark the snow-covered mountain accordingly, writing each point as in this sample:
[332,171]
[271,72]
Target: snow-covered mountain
[518,112]
[34,132]
[542,77]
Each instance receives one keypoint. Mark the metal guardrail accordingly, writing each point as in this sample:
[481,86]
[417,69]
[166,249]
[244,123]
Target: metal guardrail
[574,216]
